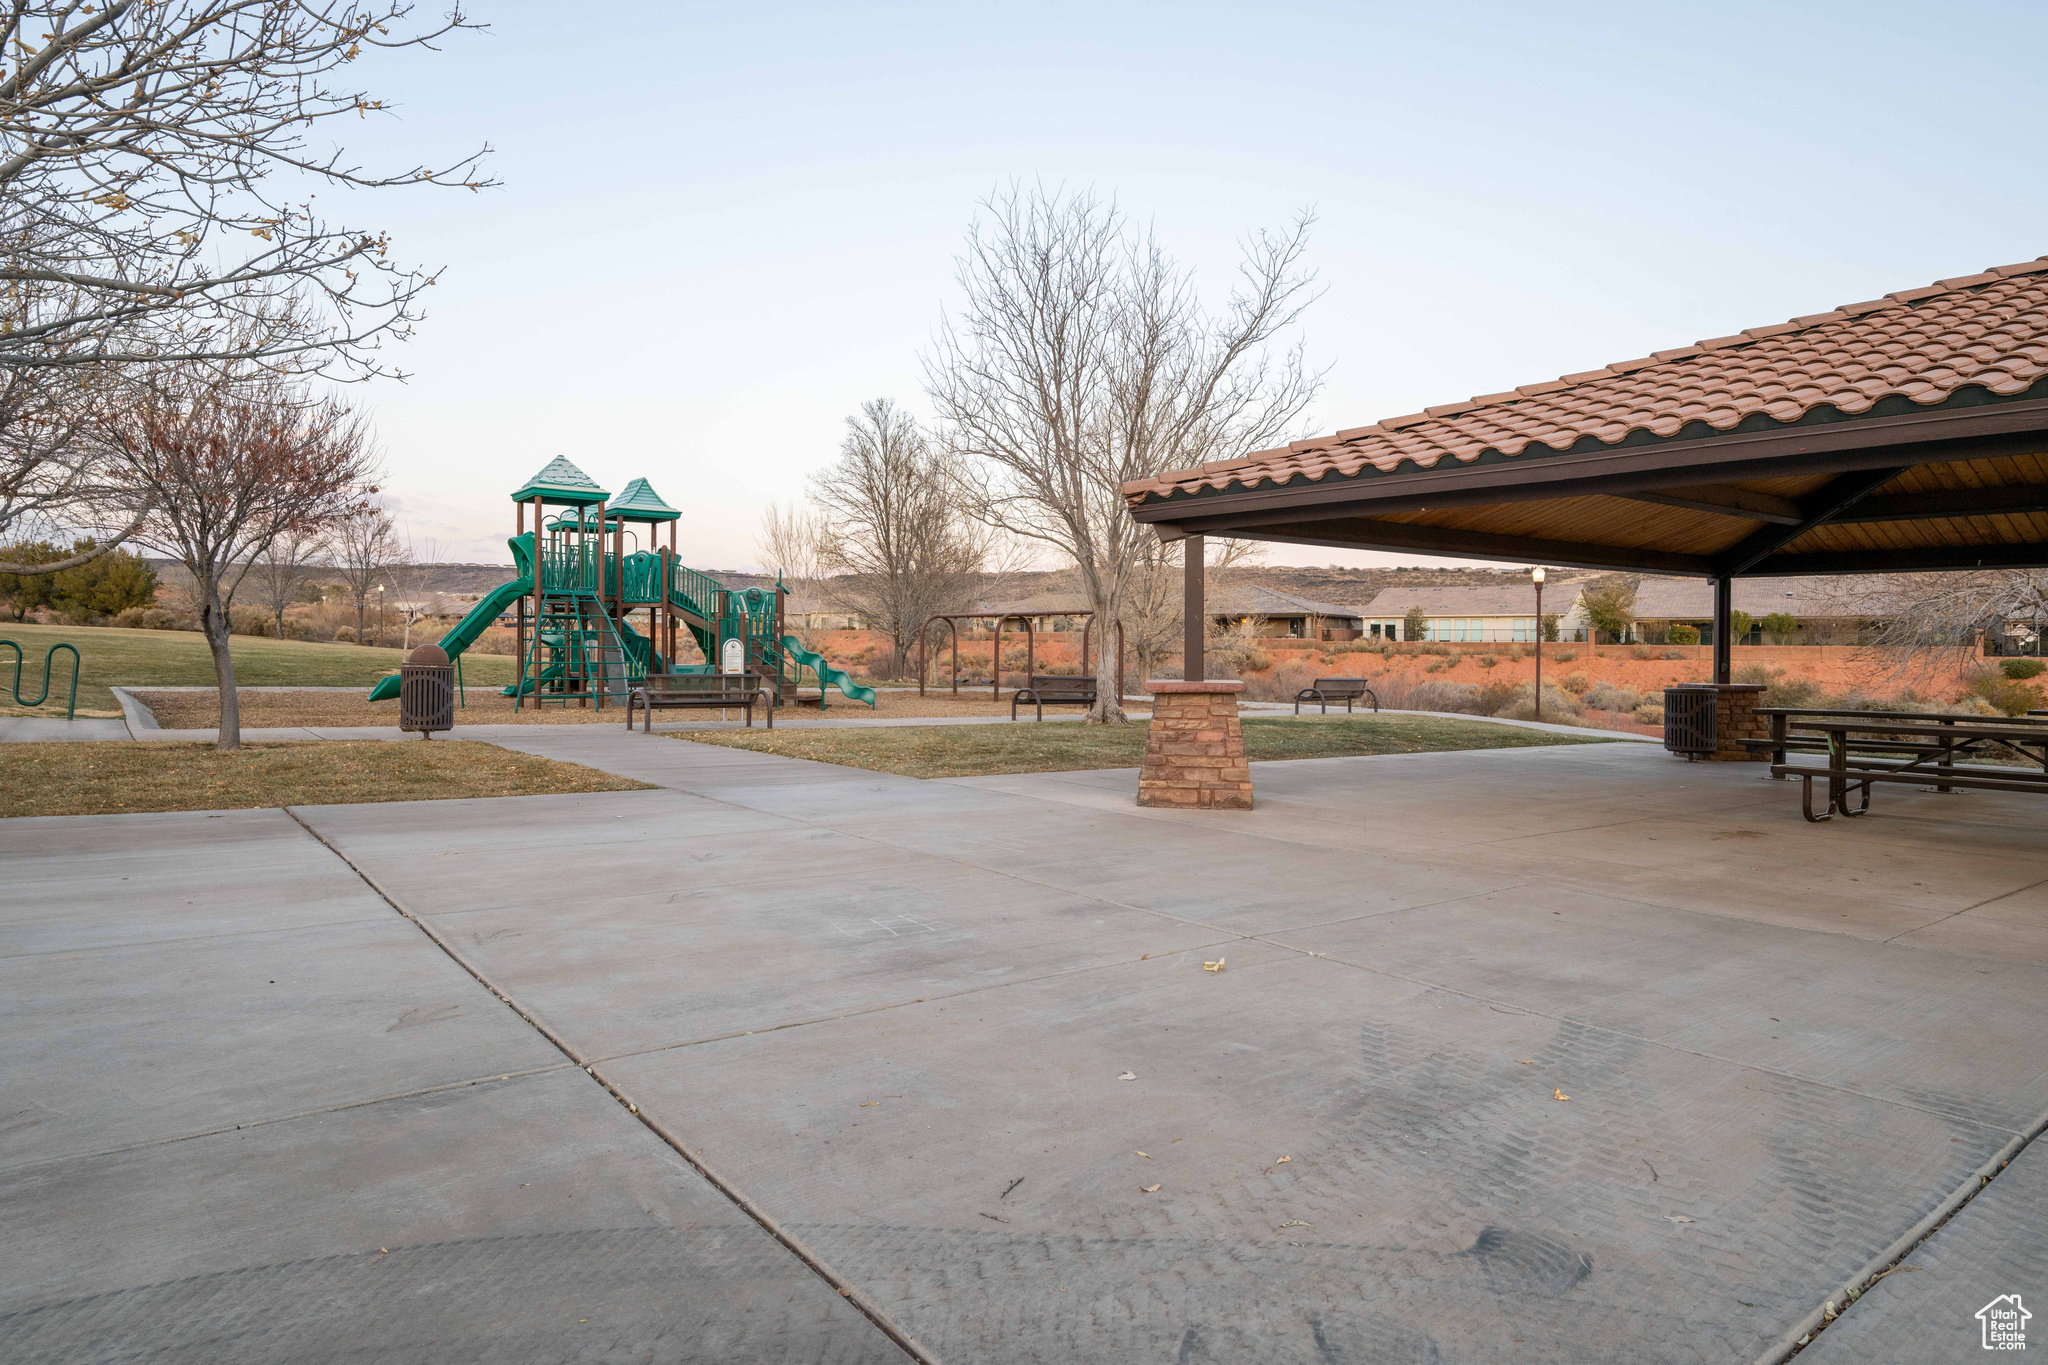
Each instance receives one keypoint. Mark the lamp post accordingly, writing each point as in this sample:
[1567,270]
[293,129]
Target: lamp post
[380,613]
[1536,577]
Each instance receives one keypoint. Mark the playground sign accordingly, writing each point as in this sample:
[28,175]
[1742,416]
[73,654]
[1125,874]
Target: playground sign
[732,656]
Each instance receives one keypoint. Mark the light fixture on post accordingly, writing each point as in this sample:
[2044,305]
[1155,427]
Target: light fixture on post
[1536,577]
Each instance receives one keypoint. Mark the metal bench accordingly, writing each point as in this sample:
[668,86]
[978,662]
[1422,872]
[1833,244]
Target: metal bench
[1327,690]
[720,691]
[1054,689]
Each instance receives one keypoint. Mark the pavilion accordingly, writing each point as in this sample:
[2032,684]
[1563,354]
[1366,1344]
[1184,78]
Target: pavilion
[1901,434]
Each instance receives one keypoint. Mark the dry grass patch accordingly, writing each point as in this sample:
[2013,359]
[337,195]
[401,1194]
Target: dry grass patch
[986,750]
[122,777]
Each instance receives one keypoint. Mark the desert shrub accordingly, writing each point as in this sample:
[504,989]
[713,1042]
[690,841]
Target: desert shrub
[1793,692]
[1433,648]
[1671,654]
[344,635]
[2019,670]
[1650,713]
[1608,697]
[1559,707]
[2011,696]
[1433,696]
[1575,682]
[1434,668]
[1641,651]
[1514,654]
[1682,634]
[1565,656]
[1494,695]
[1758,673]
[1281,683]
[251,621]
[149,618]
[1488,660]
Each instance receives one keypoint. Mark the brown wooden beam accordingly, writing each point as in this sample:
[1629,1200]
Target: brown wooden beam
[1727,501]
[1839,494]
[1367,534]
[1925,559]
[2009,500]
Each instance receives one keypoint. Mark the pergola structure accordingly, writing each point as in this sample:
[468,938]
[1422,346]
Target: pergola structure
[1901,434]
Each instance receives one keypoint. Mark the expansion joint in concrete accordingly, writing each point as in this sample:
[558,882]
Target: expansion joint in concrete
[739,1198]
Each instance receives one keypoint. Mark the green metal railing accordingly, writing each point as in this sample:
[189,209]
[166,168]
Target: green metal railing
[640,578]
[568,570]
[71,707]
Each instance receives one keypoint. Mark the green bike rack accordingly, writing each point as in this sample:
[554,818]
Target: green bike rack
[48,660]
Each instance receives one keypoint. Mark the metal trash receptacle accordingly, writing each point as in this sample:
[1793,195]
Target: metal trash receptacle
[1689,719]
[426,692]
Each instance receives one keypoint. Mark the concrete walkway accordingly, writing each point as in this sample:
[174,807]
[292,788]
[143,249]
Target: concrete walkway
[1569,1054]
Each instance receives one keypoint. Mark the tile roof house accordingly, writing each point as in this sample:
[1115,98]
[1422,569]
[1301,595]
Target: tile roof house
[1486,612]
[1276,613]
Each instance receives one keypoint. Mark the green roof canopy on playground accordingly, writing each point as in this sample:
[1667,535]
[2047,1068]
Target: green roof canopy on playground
[641,503]
[561,484]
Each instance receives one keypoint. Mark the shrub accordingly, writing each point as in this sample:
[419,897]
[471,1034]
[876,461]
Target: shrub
[1671,654]
[148,618]
[1682,634]
[1436,696]
[1608,697]
[250,621]
[1641,651]
[2019,670]
[1494,695]
[1565,656]
[344,635]
[1488,660]
[1791,692]
[1650,713]
[2010,695]
[1433,648]
[1575,682]
[1559,708]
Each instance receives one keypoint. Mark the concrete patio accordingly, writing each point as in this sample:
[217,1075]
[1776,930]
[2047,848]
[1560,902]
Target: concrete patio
[791,1062]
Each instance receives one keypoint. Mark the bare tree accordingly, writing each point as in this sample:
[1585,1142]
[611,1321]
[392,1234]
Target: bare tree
[365,547]
[794,543]
[279,574]
[1084,360]
[1153,605]
[58,476]
[139,141]
[895,536]
[227,463]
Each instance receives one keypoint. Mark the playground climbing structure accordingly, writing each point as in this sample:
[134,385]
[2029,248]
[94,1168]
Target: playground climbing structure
[595,610]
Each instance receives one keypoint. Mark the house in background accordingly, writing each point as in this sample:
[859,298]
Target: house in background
[1282,615]
[1506,614]
[1825,611]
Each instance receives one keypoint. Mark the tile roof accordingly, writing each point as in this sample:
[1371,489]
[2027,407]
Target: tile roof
[1477,600]
[639,502]
[1921,345]
[1664,599]
[1251,599]
[561,482]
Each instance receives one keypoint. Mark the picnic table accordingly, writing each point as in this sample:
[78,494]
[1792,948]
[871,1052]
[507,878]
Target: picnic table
[1863,748]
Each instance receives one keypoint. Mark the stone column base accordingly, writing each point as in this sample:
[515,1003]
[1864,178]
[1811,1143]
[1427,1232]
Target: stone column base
[1735,720]
[1194,753]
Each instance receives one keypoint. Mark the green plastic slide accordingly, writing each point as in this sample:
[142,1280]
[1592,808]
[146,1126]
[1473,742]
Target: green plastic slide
[828,676]
[481,616]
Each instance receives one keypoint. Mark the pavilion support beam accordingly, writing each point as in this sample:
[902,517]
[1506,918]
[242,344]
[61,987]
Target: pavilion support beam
[1942,504]
[1835,497]
[1919,559]
[1452,543]
[1724,610]
[1725,501]
[1194,611]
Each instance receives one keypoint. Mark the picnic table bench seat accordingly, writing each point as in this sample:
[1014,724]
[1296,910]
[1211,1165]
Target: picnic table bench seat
[716,691]
[1327,690]
[1864,748]
[1054,689]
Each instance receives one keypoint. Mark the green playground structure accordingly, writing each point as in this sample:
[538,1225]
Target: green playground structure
[579,586]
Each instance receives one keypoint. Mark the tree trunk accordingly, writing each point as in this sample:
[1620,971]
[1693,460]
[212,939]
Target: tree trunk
[1109,702]
[359,622]
[216,625]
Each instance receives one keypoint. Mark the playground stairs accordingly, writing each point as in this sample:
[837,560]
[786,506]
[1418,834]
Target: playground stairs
[577,653]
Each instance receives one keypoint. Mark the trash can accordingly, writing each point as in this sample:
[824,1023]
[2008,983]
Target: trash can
[426,692]
[1689,719]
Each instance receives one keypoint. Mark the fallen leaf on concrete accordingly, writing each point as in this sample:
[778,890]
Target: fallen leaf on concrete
[1148,1189]
[1525,1063]
[1557,1094]
[1146,1155]
[1142,957]
[1297,1223]
[869,1104]
[1676,1218]
[1128,1076]
[1283,1161]
[1215,966]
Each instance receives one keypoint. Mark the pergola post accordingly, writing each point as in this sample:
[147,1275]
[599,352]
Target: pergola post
[1195,617]
[1724,598]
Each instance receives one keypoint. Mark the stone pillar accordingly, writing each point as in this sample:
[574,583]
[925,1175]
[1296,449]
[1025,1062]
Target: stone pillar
[1194,752]
[1735,720]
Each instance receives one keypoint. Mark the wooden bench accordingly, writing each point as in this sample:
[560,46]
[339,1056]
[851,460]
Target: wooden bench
[1055,689]
[721,691]
[1327,690]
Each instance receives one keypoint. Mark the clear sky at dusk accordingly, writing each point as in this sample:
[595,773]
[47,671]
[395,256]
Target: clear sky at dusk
[722,227]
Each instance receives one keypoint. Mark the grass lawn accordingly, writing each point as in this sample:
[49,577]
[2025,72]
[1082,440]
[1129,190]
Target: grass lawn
[984,750]
[121,777]
[179,658]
